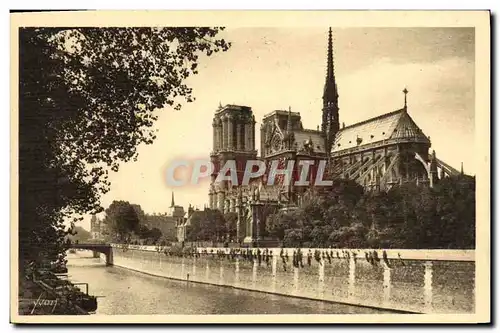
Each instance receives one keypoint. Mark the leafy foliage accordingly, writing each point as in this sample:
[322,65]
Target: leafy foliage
[81,235]
[121,219]
[208,225]
[231,220]
[87,99]
[149,236]
[405,217]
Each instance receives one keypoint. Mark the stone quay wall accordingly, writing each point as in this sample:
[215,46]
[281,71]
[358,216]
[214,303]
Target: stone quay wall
[423,281]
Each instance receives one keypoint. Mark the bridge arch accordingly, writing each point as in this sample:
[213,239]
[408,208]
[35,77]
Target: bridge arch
[106,249]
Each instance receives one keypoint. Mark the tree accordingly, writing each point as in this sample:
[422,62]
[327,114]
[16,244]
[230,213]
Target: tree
[140,213]
[321,212]
[81,235]
[167,224]
[293,237]
[338,202]
[456,212]
[407,216]
[148,236]
[285,220]
[122,220]
[154,235]
[142,231]
[231,220]
[207,225]
[87,99]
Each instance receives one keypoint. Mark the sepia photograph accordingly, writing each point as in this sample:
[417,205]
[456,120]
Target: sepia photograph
[220,166]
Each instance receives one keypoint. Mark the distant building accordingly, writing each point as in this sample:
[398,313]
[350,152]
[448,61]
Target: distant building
[95,227]
[163,222]
[184,226]
[168,222]
[176,212]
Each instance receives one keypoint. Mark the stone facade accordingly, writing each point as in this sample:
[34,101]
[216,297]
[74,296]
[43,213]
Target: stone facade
[424,281]
[184,225]
[95,227]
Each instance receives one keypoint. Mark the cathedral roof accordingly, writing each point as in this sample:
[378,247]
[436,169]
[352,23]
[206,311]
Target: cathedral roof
[302,139]
[393,125]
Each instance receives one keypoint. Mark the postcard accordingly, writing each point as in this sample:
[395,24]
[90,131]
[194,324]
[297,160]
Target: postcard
[250,167]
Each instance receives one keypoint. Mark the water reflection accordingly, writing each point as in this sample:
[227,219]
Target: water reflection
[129,292]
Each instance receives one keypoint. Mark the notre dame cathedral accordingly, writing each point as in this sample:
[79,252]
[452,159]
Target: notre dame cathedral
[378,153]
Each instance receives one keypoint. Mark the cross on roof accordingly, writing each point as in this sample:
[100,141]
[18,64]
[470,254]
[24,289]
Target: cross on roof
[405,91]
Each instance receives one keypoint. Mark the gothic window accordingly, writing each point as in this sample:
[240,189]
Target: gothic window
[276,143]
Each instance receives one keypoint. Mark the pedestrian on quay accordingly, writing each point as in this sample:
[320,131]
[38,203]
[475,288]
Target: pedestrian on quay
[386,260]
[317,256]
[370,259]
[294,258]
[300,257]
[283,258]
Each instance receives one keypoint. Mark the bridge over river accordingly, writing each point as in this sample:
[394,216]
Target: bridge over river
[96,248]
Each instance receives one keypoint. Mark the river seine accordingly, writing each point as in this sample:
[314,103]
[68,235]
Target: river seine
[123,291]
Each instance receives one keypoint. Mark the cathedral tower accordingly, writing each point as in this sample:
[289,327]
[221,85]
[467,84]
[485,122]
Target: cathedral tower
[233,139]
[330,124]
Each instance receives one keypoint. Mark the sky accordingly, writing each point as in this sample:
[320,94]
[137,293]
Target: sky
[275,68]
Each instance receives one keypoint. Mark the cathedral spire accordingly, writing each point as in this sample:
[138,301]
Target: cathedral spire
[172,204]
[289,136]
[289,120]
[330,91]
[329,60]
[330,124]
[405,91]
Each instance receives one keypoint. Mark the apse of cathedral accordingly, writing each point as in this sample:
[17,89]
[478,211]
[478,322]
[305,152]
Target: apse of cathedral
[378,153]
